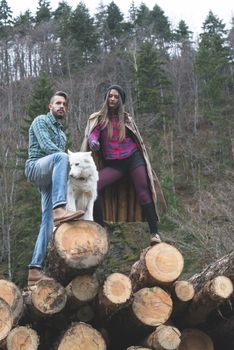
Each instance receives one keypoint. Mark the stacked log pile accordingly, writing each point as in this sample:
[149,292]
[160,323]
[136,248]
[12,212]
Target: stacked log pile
[151,308]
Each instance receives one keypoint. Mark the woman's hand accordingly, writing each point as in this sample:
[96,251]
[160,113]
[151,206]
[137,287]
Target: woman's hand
[94,145]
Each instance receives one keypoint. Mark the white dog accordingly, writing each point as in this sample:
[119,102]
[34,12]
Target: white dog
[82,183]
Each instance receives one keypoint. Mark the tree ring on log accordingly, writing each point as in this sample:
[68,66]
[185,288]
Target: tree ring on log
[6,319]
[152,306]
[81,243]
[82,336]
[117,288]
[23,338]
[164,263]
[48,297]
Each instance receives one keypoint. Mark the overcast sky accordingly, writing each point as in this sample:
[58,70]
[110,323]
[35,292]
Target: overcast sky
[193,12]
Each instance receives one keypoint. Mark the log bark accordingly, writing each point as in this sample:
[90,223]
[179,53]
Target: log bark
[194,339]
[161,264]
[13,296]
[164,338]
[115,294]
[209,298]
[45,298]
[182,292]
[6,320]
[22,338]
[152,306]
[82,336]
[78,247]
[223,266]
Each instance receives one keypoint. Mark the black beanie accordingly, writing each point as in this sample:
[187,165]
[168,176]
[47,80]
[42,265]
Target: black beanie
[119,89]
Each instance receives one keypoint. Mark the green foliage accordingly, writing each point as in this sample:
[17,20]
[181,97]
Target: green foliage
[161,25]
[43,13]
[152,81]
[213,66]
[114,20]
[82,35]
[24,23]
[62,17]
[5,14]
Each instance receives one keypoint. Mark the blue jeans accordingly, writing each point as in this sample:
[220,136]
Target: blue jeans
[49,174]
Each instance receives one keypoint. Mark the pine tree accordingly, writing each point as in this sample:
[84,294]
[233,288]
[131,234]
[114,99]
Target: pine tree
[152,81]
[213,67]
[160,27]
[24,23]
[43,13]
[83,37]
[62,17]
[215,73]
[5,15]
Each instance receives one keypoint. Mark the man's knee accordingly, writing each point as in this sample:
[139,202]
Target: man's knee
[61,156]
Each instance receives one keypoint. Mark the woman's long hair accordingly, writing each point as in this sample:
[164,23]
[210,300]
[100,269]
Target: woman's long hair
[105,119]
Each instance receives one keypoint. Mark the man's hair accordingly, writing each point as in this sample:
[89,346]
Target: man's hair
[60,93]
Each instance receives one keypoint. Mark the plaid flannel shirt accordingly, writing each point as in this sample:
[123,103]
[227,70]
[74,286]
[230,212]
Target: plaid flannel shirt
[46,136]
[113,149]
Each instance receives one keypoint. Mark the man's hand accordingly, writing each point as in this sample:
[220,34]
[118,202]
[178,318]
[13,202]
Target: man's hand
[94,145]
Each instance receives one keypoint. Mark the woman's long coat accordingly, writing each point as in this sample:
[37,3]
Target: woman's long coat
[119,200]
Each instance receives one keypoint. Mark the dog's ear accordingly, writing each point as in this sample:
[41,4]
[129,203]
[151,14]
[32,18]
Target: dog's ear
[89,153]
[69,152]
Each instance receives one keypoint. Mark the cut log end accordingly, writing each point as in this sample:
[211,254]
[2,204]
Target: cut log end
[83,288]
[221,287]
[48,297]
[117,288]
[12,295]
[165,338]
[184,290]
[164,263]
[22,338]
[82,336]
[81,243]
[194,339]
[6,319]
[152,306]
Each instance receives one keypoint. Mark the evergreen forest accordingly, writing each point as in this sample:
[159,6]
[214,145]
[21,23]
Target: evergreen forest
[179,88]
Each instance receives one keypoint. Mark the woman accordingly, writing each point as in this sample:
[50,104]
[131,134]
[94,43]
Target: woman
[114,138]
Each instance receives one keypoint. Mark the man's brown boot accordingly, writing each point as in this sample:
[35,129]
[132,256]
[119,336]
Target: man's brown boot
[35,275]
[61,214]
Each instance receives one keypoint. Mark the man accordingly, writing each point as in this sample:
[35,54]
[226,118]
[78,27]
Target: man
[47,168]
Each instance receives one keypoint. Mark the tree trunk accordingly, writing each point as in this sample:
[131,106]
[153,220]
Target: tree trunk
[6,320]
[161,264]
[194,339]
[115,294]
[22,338]
[45,298]
[81,290]
[78,247]
[82,336]
[164,338]
[13,296]
[209,298]
[223,266]
[152,306]
[182,292]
